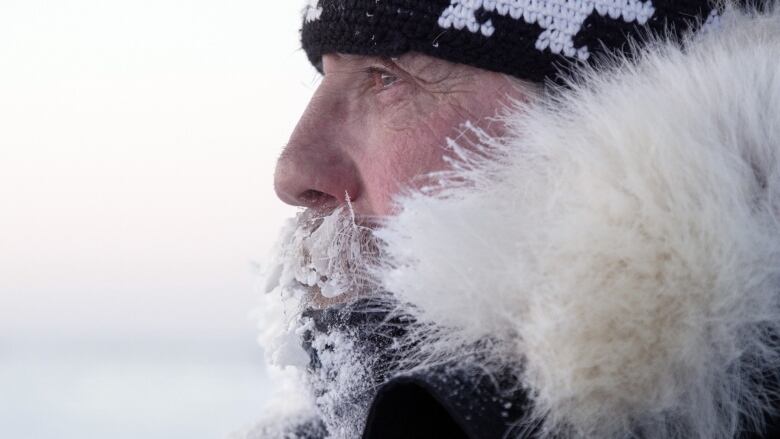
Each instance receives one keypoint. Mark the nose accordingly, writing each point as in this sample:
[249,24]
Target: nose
[316,170]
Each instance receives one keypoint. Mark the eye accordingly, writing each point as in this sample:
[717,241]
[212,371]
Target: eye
[382,79]
[387,79]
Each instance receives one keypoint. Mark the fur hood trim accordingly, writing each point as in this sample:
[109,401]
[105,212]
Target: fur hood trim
[621,245]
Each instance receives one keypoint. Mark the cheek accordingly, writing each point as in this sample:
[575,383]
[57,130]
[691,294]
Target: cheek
[402,145]
[399,159]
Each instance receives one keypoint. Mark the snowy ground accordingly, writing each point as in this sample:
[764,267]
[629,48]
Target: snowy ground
[128,389]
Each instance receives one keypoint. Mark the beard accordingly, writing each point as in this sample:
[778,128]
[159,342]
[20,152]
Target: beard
[328,258]
[351,337]
[336,322]
[353,349]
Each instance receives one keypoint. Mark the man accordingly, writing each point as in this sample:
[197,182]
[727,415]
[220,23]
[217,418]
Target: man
[534,218]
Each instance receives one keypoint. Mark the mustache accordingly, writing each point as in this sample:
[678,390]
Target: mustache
[334,255]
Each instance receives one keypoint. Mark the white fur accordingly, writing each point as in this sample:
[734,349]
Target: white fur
[618,243]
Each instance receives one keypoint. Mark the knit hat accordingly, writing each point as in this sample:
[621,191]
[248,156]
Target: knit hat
[529,39]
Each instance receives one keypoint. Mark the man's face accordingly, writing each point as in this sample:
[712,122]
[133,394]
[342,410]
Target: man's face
[374,125]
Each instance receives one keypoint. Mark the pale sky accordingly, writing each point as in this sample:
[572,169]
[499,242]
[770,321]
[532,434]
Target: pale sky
[137,145]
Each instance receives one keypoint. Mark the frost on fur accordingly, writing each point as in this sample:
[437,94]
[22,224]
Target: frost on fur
[624,248]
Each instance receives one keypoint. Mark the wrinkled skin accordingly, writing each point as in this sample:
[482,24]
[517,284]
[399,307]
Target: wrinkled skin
[375,125]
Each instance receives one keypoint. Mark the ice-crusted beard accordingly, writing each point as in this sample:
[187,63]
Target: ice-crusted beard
[352,352]
[333,321]
[336,323]
[328,259]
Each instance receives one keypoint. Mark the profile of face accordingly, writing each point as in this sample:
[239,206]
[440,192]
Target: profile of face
[374,125]
[374,128]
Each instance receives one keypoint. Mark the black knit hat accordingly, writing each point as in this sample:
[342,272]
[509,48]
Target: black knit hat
[529,39]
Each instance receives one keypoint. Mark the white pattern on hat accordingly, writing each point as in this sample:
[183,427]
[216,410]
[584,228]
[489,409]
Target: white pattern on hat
[312,11]
[560,19]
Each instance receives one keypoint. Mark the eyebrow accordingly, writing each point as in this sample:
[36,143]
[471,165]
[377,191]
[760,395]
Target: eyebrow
[358,62]
[355,62]
[421,70]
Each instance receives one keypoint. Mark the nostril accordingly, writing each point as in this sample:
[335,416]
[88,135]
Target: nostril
[315,198]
